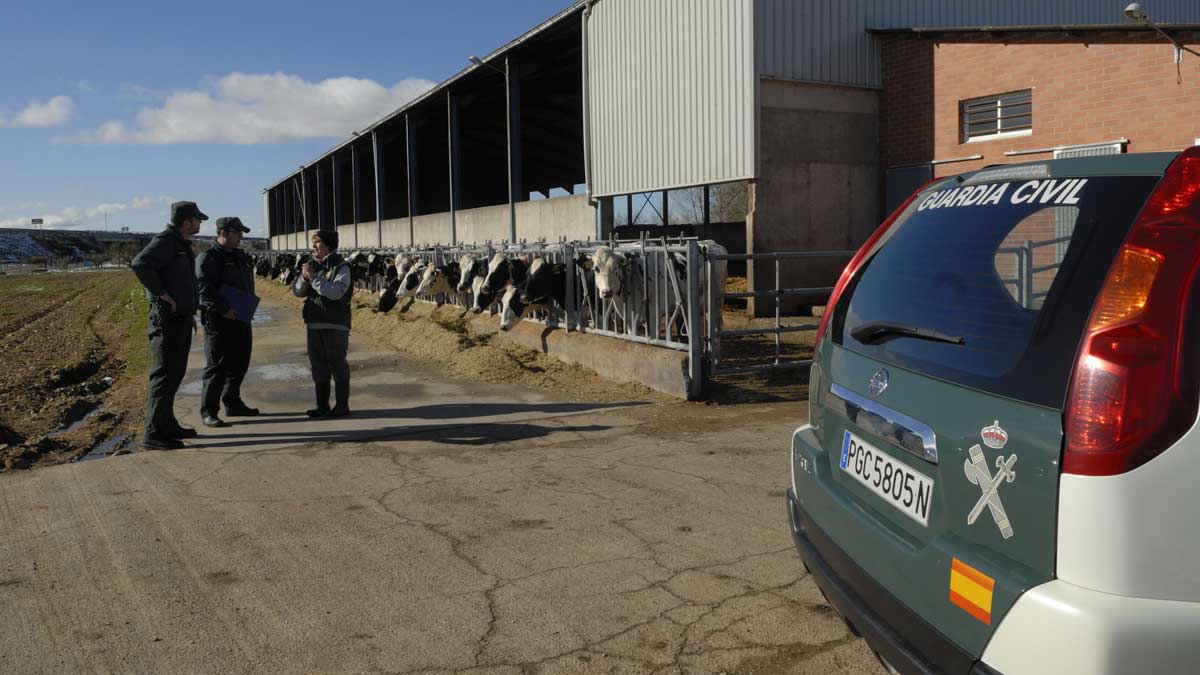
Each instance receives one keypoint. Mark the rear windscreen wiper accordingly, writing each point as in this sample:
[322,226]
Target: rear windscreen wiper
[869,333]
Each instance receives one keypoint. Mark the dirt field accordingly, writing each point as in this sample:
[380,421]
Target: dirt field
[76,355]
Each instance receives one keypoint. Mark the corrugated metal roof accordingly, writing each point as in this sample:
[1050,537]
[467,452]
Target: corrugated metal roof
[828,40]
[441,86]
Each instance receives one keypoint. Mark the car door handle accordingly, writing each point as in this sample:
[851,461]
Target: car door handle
[902,431]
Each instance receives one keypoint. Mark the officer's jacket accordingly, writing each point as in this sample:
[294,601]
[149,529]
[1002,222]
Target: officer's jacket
[167,264]
[217,267]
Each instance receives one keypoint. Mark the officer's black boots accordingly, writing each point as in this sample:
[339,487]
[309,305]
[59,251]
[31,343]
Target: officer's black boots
[240,409]
[184,432]
[322,408]
[342,396]
[211,420]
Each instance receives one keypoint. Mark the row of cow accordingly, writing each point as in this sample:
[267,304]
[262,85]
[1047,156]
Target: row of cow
[515,284]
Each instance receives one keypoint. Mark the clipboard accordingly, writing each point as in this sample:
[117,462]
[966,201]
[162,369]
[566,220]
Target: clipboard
[244,303]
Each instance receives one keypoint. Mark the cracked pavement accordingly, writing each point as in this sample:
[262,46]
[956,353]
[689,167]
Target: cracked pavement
[448,527]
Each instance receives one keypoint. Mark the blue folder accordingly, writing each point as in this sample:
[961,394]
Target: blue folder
[245,303]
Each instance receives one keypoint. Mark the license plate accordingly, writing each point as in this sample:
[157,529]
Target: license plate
[896,483]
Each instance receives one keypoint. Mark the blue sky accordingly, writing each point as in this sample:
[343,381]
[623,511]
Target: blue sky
[123,107]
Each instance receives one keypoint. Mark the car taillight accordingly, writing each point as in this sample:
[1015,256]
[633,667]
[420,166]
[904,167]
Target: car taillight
[1128,400]
[857,261]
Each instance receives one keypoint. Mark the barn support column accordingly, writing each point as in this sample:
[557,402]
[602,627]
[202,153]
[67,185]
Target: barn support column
[452,148]
[380,182]
[354,188]
[512,103]
[410,142]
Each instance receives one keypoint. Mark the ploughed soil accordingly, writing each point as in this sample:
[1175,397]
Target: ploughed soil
[75,360]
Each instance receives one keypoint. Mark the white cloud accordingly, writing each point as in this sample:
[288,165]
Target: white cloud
[76,218]
[23,206]
[51,113]
[244,109]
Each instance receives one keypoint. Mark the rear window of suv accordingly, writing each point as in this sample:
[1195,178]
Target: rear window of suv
[1001,276]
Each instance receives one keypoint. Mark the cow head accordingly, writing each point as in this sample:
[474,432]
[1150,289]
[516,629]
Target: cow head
[545,281]
[412,278]
[611,270]
[497,273]
[481,298]
[512,308]
[438,279]
[470,266]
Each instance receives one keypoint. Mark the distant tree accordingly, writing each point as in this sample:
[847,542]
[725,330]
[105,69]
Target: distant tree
[727,204]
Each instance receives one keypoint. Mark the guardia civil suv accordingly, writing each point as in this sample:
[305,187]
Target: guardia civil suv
[999,471]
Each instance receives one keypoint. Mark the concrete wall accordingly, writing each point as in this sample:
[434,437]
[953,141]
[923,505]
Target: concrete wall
[477,226]
[571,217]
[433,228]
[345,237]
[395,232]
[551,219]
[818,188]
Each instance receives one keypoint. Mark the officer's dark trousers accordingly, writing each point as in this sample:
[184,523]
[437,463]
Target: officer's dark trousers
[227,345]
[169,345]
[327,358]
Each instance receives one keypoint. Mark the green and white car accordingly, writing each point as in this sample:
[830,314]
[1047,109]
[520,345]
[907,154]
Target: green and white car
[1000,469]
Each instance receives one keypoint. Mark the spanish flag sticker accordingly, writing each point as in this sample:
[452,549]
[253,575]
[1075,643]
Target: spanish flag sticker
[971,590]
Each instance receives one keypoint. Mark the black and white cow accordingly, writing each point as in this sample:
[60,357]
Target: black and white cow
[439,280]
[619,280]
[377,265]
[470,267]
[545,284]
[504,271]
[412,278]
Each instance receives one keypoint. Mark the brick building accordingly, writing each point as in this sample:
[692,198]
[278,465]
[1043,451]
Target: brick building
[955,100]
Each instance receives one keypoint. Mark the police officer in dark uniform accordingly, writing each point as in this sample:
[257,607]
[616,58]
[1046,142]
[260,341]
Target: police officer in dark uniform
[227,336]
[167,268]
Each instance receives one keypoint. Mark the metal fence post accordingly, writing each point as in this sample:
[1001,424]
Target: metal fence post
[713,311]
[695,329]
[571,312]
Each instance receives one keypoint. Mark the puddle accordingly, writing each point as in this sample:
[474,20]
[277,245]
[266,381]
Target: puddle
[77,423]
[279,371]
[104,448]
[261,316]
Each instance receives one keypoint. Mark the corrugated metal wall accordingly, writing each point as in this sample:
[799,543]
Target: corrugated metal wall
[827,40]
[672,93]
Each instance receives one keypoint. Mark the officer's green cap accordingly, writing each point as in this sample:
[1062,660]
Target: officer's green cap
[181,210]
[231,223]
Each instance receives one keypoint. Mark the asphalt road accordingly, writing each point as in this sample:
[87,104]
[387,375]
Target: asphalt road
[448,526]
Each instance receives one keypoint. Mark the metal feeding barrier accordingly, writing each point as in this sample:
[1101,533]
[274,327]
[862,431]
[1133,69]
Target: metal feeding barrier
[716,300]
[669,290]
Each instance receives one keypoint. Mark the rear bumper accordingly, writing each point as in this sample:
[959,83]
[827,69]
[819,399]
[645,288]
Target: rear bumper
[902,638]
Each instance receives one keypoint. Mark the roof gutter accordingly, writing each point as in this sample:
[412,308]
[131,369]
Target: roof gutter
[1067,28]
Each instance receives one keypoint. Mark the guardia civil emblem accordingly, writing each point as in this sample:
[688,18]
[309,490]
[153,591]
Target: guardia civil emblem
[978,473]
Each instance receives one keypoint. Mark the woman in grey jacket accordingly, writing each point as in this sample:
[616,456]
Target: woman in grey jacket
[325,284]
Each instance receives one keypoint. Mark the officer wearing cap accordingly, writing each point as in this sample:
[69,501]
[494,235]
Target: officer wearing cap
[167,268]
[227,336]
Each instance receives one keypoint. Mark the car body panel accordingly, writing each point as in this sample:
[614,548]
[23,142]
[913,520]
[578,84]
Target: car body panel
[911,561]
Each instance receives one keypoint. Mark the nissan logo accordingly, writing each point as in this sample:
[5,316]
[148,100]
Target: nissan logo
[879,382]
